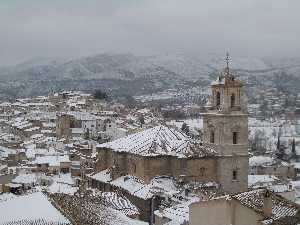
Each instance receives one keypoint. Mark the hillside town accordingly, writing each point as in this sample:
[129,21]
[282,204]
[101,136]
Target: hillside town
[77,158]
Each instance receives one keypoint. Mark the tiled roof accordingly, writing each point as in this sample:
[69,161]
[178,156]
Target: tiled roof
[281,207]
[159,140]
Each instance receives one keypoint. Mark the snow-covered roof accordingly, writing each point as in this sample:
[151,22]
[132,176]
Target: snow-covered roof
[140,189]
[103,176]
[25,179]
[77,130]
[134,186]
[120,203]
[64,178]
[179,213]
[261,180]
[260,160]
[57,187]
[159,140]
[280,188]
[92,211]
[30,208]
[255,200]
[4,152]
[3,167]
[78,115]
[31,152]
[52,160]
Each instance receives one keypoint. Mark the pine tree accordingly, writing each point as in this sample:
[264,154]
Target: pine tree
[294,147]
[185,128]
[280,148]
[294,154]
[278,143]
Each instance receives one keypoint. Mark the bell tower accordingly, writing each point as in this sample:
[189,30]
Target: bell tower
[225,128]
[226,92]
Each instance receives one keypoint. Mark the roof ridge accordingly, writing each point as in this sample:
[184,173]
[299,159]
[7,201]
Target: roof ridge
[154,138]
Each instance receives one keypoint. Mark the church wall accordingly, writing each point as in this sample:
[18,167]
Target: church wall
[226,166]
[137,166]
[203,169]
[146,168]
[155,166]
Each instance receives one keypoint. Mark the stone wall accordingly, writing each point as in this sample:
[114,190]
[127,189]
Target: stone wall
[146,168]
[226,168]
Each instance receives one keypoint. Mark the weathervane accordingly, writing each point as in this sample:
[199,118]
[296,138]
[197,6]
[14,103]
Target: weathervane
[227,59]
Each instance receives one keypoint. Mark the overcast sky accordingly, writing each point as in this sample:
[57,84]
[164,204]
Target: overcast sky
[74,28]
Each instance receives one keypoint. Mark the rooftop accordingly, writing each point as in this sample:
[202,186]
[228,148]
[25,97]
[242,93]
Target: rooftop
[31,208]
[159,140]
[254,199]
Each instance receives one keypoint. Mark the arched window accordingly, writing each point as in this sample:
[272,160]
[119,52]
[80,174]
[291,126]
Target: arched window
[218,100]
[234,137]
[202,171]
[212,136]
[234,174]
[232,100]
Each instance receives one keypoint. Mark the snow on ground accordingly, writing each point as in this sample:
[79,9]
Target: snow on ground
[263,180]
[265,132]
[29,207]
[194,124]
[260,160]
[6,196]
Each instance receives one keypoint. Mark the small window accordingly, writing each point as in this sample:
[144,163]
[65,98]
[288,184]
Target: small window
[234,138]
[202,171]
[212,137]
[234,175]
[218,103]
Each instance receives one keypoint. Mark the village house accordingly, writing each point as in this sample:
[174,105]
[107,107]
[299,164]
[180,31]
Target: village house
[261,165]
[257,207]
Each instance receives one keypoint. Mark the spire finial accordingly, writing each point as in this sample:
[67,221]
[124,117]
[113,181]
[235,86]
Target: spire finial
[227,59]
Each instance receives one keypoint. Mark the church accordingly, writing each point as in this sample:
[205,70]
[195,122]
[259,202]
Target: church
[221,157]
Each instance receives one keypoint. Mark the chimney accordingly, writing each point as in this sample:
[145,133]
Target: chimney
[267,201]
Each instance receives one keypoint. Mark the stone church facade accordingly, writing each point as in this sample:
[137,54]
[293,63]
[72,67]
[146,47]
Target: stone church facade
[225,127]
[222,155]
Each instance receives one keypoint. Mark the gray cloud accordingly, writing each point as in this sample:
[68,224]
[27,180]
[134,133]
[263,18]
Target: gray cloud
[64,28]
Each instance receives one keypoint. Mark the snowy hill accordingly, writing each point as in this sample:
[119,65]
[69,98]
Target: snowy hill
[126,74]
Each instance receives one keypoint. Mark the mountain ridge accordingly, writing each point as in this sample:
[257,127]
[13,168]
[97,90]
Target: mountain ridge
[150,73]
